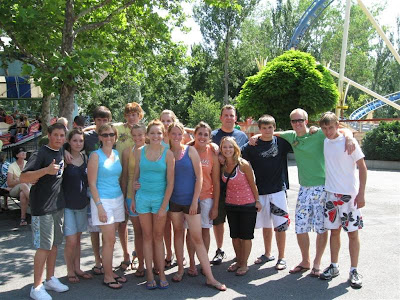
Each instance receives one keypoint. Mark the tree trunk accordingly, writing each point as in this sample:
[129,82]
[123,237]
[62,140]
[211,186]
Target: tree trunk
[66,103]
[45,113]
[226,64]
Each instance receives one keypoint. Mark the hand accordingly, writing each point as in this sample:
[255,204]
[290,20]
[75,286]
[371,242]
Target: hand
[359,201]
[258,206]
[102,214]
[312,130]
[68,157]
[253,139]
[52,168]
[350,145]
[136,185]
[213,213]
[193,208]
[221,159]
[162,212]
[133,208]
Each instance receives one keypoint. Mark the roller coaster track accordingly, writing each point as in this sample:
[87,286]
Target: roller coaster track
[373,105]
[312,14]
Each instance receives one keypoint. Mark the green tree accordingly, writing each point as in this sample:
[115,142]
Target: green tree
[291,80]
[204,108]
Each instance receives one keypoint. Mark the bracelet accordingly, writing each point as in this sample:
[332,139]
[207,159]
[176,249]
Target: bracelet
[98,203]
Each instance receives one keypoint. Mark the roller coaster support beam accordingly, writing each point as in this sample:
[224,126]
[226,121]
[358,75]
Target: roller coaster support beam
[379,30]
[368,91]
[343,55]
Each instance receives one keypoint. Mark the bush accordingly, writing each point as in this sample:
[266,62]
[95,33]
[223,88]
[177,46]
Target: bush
[383,142]
[204,108]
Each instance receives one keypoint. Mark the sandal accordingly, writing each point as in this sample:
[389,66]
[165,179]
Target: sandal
[98,270]
[299,269]
[163,285]
[242,271]
[124,265]
[139,273]
[135,260]
[120,279]
[280,265]
[85,275]
[192,273]
[73,279]
[178,277]
[219,286]
[23,222]
[264,259]
[315,272]
[233,267]
[108,284]
[151,285]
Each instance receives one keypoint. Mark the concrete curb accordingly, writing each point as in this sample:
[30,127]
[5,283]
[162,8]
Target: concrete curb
[372,164]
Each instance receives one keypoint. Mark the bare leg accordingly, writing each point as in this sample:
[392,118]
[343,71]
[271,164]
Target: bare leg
[24,198]
[70,253]
[322,240]
[137,229]
[123,238]
[237,246]
[280,242]
[146,223]
[354,248]
[39,262]
[158,238]
[304,244]
[245,248]
[177,222]
[51,262]
[267,235]
[191,250]
[219,235]
[95,239]
[108,232]
[168,238]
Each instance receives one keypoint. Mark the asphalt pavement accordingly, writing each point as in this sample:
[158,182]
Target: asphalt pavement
[379,260]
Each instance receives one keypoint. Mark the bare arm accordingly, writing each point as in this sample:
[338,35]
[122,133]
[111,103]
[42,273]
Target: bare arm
[33,176]
[248,171]
[216,186]
[92,168]
[194,156]
[170,182]
[125,169]
[136,175]
[359,201]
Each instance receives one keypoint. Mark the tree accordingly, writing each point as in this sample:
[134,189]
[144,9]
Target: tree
[204,108]
[74,44]
[291,80]
[220,25]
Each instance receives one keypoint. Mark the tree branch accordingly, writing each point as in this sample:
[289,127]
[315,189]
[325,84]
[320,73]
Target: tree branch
[91,9]
[91,26]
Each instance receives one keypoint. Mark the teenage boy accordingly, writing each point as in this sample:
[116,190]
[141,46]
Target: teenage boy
[228,118]
[345,196]
[268,159]
[45,168]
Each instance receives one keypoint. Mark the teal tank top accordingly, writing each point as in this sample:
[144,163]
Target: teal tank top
[108,173]
[153,177]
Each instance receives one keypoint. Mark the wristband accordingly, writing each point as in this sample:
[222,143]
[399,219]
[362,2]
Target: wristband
[98,203]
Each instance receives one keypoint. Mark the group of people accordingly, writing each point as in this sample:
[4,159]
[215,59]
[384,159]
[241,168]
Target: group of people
[157,176]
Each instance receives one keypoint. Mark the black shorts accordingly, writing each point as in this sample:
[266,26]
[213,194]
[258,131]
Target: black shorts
[220,219]
[173,207]
[241,220]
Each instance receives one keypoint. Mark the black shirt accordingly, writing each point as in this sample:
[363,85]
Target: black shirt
[269,162]
[46,195]
[92,142]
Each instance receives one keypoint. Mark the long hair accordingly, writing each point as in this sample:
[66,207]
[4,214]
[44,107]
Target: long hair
[173,125]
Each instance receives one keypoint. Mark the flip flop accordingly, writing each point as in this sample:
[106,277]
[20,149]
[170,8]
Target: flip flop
[264,259]
[120,279]
[178,277]
[23,222]
[315,272]
[73,279]
[299,269]
[108,284]
[219,286]
[242,271]
[139,273]
[163,285]
[151,285]
[280,265]
[233,267]
[85,275]
[98,270]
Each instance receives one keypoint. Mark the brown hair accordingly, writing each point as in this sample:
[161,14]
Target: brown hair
[228,106]
[169,112]
[155,122]
[134,107]
[106,127]
[266,120]
[328,118]
[202,124]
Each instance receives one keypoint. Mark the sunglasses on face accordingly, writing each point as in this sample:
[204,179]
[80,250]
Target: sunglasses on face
[104,135]
[297,121]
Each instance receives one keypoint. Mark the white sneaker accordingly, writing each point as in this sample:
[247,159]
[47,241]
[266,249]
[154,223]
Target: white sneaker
[55,285]
[39,293]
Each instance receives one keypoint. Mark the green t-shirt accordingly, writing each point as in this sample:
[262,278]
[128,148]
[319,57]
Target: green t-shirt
[309,152]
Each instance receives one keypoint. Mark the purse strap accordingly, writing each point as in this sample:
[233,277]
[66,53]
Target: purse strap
[230,175]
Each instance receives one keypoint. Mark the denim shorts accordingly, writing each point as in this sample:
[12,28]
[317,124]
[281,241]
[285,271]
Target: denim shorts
[75,220]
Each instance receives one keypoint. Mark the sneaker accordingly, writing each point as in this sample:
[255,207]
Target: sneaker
[219,256]
[355,279]
[55,285]
[39,293]
[329,273]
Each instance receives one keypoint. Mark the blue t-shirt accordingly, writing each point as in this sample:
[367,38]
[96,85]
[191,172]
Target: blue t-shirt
[240,136]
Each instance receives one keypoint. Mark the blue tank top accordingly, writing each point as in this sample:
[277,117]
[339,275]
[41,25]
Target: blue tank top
[185,180]
[108,174]
[152,178]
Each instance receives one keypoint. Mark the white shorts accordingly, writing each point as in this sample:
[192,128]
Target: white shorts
[114,208]
[274,212]
[341,212]
[205,206]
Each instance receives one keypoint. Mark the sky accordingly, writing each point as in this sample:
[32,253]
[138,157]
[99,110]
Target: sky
[388,17]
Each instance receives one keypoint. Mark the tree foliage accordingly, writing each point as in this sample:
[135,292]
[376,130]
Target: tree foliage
[291,80]
[383,142]
[204,108]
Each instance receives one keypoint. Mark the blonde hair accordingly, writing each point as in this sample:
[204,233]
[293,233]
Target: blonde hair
[169,112]
[176,124]
[106,127]
[300,110]
[155,122]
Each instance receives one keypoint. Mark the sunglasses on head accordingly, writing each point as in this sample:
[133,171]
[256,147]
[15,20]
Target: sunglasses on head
[104,135]
[297,121]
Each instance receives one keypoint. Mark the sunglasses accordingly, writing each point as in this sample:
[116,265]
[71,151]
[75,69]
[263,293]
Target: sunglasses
[297,121]
[104,135]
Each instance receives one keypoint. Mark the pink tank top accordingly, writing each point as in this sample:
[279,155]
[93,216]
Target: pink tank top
[238,191]
[206,159]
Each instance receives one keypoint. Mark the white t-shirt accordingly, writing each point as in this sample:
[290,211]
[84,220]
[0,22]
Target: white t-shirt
[341,174]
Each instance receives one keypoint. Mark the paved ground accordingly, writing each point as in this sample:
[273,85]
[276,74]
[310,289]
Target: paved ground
[379,260]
